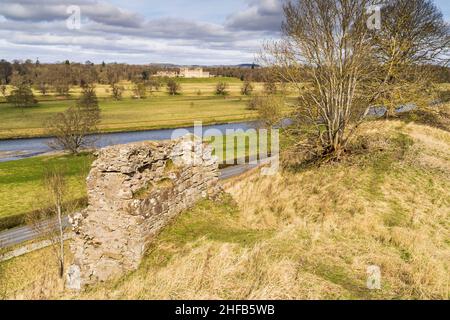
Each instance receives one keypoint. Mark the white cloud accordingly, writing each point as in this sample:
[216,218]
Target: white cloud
[263,15]
[111,33]
[98,11]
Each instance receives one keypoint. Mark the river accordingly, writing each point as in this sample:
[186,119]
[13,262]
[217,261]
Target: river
[16,149]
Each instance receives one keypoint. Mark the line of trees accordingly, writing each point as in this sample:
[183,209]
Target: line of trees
[60,76]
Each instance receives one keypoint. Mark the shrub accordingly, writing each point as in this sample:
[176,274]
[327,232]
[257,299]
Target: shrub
[140,91]
[270,109]
[270,87]
[173,87]
[117,91]
[247,88]
[222,89]
[254,102]
[22,96]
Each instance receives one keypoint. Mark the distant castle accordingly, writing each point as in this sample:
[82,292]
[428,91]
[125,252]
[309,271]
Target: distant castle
[184,73]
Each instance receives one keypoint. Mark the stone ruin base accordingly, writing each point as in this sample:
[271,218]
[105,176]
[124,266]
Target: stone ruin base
[134,190]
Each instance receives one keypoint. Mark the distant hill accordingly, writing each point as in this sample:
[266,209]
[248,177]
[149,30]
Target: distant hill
[164,65]
[248,65]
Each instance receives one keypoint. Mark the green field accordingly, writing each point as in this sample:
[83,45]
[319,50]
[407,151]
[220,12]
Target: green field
[22,189]
[197,102]
[129,114]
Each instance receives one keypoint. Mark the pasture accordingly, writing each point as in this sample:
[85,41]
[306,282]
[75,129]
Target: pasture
[22,187]
[196,102]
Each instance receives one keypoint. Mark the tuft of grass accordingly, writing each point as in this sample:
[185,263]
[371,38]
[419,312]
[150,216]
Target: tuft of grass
[397,216]
[170,167]
[34,275]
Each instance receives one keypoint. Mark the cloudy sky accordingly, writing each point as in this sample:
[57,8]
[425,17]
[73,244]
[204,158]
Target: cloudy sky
[202,32]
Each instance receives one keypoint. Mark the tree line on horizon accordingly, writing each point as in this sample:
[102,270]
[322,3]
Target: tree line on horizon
[60,75]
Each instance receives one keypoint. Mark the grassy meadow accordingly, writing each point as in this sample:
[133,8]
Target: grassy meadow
[130,115]
[306,233]
[197,102]
[22,188]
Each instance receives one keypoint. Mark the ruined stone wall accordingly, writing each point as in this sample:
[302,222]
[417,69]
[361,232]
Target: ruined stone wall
[134,190]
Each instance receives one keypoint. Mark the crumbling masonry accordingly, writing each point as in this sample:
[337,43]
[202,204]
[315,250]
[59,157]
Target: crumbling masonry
[134,190]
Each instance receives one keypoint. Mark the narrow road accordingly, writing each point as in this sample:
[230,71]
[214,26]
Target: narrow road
[18,235]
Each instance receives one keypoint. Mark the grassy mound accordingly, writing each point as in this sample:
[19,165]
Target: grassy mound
[306,234]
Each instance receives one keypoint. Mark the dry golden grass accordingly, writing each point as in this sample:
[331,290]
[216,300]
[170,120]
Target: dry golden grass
[437,116]
[32,276]
[312,233]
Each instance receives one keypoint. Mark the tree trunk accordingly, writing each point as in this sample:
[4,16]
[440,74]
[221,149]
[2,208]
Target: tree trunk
[61,241]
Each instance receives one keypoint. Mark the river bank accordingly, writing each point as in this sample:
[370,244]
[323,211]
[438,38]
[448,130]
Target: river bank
[15,149]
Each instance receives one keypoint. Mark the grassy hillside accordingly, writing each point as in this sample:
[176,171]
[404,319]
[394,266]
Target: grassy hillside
[304,234]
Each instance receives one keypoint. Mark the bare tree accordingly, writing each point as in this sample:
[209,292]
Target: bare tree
[270,109]
[140,90]
[247,88]
[49,222]
[173,87]
[117,91]
[339,68]
[255,102]
[43,87]
[62,78]
[270,86]
[42,80]
[88,103]
[17,78]
[413,36]
[62,87]
[154,84]
[56,186]
[72,130]
[222,89]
